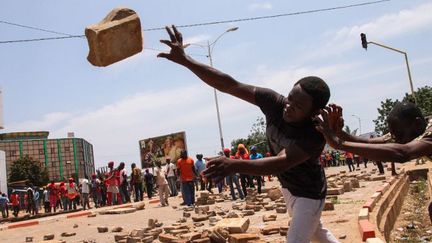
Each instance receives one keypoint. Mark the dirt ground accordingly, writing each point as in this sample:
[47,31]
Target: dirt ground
[342,221]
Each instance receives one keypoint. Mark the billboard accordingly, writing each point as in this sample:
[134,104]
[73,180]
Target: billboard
[162,147]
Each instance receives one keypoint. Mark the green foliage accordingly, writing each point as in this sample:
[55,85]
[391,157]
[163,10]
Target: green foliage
[26,168]
[424,102]
[381,121]
[257,137]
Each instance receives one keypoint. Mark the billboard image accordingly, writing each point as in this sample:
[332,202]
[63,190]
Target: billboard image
[162,147]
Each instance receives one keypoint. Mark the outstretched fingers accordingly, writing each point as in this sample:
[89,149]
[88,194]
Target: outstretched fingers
[177,34]
[171,34]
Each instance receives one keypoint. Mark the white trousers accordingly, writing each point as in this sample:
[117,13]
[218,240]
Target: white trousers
[306,223]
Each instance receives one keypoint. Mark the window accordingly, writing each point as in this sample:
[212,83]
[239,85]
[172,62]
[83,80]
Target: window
[13,152]
[53,150]
[67,149]
[41,152]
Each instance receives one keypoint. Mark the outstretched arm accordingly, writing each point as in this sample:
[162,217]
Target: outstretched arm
[391,152]
[336,124]
[211,76]
[291,156]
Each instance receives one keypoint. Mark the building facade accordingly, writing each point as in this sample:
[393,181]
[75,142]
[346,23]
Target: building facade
[62,157]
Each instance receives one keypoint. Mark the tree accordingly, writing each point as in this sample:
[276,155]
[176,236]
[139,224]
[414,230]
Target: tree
[424,99]
[424,102]
[26,168]
[381,122]
[257,137]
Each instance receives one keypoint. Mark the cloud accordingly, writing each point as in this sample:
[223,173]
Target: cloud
[198,39]
[260,6]
[46,123]
[387,26]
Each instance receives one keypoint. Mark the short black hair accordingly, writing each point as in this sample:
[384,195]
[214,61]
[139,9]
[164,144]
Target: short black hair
[405,111]
[317,89]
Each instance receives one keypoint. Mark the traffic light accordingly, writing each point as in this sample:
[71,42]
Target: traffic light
[363,40]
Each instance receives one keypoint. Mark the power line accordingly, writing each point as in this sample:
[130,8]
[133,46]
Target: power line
[34,28]
[68,36]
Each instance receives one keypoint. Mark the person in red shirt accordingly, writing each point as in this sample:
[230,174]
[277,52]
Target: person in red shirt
[63,195]
[113,180]
[349,161]
[186,169]
[246,180]
[15,203]
[53,192]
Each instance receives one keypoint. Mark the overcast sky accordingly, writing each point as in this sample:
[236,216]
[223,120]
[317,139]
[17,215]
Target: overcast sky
[49,85]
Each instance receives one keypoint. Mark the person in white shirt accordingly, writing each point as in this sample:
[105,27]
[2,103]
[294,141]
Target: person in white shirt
[85,190]
[170,170]
[162,185]
[123,183]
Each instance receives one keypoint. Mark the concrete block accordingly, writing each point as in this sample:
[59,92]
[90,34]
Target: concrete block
[347,186]
[374,240]
[378,178]
[384,188]
[355,183]
[115,38]
[367,229]
[376,196]
[335,191]
[166,238]
[270,229]
[369,204]
[242,238]
[328,206]
[363,214]
[234,225]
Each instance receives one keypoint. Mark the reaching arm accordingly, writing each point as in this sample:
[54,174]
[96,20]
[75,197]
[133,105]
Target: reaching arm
[211,76]
[391,152]
[291,156]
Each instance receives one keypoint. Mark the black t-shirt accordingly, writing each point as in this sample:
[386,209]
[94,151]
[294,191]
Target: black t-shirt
[308,178]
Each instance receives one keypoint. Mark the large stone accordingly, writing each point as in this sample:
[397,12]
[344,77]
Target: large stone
[139,205]
[119,237]
[137,233]
[117,229]
[335,191]
[268,218]
[167,238]
[242,238]
[378,178]
[200,218]
[270,229]
[248,212]
[118,211]
[133,240]
[48,237]
[102,229]
[347,186]
[191,236]
[202,240]
[115,38]
[202,209]
[67,234]
[281,210]
[355,183]
[219,235]
[151,223]
[328,206]
[274,194]
[234,225]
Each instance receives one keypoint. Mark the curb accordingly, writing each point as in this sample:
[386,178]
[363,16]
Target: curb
[74,215]
[22,224]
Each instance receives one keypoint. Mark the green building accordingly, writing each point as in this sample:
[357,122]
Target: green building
[63,157]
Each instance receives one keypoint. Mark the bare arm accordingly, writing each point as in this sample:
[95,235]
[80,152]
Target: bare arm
[391,152]
[221,166]
[211,76]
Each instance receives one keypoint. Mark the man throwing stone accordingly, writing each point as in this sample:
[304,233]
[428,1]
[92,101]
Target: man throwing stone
[292,137]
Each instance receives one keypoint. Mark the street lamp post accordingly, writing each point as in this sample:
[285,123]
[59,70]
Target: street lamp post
[210,48]
[359,121]
[365,45]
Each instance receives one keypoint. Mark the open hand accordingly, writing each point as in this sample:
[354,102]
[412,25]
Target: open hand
[176,53]
[325,127]
[335,118]
[217,168]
